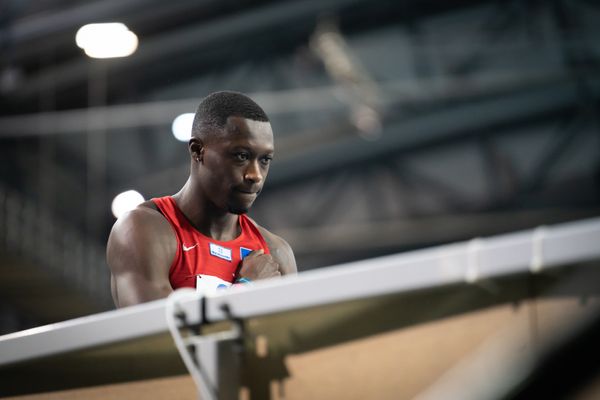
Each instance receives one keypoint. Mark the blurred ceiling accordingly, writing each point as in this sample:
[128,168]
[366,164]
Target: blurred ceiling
[399,124]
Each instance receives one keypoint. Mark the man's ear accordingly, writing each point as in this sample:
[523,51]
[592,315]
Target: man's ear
[196,148]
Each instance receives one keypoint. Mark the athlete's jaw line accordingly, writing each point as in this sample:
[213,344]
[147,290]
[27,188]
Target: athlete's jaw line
[242,200]
[237,210]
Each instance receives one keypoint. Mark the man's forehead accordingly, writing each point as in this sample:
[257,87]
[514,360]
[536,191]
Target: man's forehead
[246,126]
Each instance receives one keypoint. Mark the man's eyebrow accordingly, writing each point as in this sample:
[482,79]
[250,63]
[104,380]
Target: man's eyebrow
[251,149]
[240,147]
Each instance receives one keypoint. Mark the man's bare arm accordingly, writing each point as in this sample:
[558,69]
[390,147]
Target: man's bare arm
[140,250]
[281,251]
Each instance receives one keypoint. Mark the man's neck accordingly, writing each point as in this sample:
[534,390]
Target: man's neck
[204,216]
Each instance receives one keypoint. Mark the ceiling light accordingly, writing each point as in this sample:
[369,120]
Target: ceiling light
[106,40]
[182,127]
[126,201]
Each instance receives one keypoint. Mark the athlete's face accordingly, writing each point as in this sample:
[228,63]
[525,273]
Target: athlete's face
[235,165]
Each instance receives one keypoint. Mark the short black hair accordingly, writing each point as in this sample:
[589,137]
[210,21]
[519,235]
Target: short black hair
[214,109]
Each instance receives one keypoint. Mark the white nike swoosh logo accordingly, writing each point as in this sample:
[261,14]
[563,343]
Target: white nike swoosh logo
[189,248]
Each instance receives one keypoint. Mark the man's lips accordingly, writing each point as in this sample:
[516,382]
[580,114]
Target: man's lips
[248,192]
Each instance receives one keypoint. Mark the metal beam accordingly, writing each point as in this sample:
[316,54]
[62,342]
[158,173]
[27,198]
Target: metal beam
[400,93]
[407,233]
[410,133]
[157,113]
[44,24]
[209,33]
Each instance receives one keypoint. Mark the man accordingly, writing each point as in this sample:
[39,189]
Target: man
[200,237]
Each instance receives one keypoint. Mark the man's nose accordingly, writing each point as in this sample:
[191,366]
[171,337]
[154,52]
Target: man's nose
[253,173]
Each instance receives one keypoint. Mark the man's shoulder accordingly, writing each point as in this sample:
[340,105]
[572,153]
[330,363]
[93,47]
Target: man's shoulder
[279,248]
[139,251]
[269,236]
[145,219]
[145,213]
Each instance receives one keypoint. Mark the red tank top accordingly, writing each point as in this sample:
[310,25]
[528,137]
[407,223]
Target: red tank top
[198,254]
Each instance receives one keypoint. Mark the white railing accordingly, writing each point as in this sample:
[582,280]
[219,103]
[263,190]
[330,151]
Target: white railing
[525,252]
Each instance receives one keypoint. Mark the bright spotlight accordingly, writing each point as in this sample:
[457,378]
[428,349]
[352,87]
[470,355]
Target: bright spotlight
[182,127]
[126,201]
[106,40]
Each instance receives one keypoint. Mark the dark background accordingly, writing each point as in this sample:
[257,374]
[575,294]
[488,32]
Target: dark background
[482,118]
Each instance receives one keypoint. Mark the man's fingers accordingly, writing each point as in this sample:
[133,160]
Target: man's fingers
[258,265]
[256,253]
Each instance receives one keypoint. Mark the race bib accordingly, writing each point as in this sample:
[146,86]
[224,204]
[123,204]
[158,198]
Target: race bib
[206,284]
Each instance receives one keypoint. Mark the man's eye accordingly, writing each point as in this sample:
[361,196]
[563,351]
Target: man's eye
[242,156]
[266,160]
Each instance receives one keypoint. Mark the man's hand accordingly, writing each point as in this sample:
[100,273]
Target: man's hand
[258,265]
